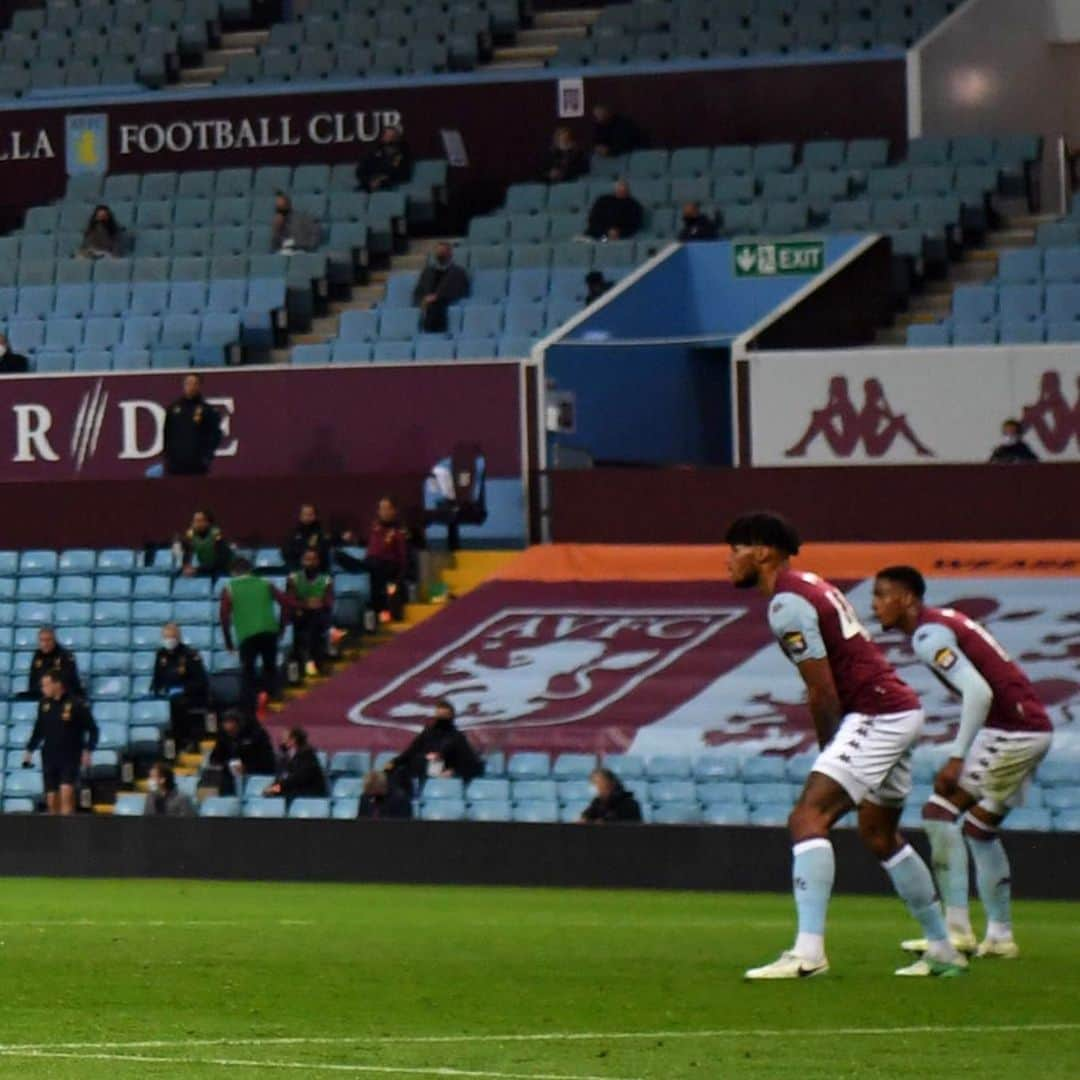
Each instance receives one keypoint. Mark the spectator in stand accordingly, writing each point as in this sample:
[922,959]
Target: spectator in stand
[611,802]
[192,431]
[1013,449]
[387,560]
[204,549]
[613,135]
[311,592]
[307,535]
[51,658]
[388,164]
[11,363]
[300,774]
[247,604]
[565,160]
[382,800]
[595,286]
[441,283]
[696,225]
[455,492]
[103,237]
[617,216]
[66,732]
[163,798]
[243,748]
[292,230]
[440,750]
[180,677]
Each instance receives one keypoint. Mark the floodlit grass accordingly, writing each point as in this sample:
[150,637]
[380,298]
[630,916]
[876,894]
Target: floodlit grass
[125,979]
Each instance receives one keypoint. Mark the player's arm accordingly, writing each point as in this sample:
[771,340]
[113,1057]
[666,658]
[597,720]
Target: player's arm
[936,646]
[794,621]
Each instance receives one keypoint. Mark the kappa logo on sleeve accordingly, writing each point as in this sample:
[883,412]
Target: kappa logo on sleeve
[945,659]
[795,642]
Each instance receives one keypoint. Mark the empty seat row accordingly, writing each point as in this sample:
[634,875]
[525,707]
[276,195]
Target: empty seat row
[138,270]
[428,347]
[993,332]
[1059,301]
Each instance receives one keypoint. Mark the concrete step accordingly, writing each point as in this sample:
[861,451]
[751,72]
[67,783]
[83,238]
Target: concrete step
[891,337]
[310,338]
[1011,238]
[362,298]
[931,303]
[244,39]
[409,262]
[221,57]
[511,65]
[549,20]
[535,54]
[553,35]
[326,326]
[974,270]
[281,356]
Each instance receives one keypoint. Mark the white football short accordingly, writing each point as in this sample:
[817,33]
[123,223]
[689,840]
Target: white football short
[1000,764]
[870,756]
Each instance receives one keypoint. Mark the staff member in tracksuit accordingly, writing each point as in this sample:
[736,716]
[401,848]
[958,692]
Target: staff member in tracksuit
[180,676]
[247,604]
[51,656]
[67,734]
[312,593]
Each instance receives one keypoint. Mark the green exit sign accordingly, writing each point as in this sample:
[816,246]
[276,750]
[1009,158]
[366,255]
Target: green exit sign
[772,258]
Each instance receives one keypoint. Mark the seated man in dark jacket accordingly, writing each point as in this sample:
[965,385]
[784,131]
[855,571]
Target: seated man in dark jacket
[439,750]
[308,532]
[382,800]
[695,224]
[617,216]
[441,283]
[300,775]
[11,362]
[243,748]
[180,677]
[52,658]
[388,165]
[612,802]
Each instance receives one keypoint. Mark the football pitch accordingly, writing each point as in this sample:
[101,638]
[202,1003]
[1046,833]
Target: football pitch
[132,979]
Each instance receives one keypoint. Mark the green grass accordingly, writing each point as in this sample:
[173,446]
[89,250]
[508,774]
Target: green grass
[379,973]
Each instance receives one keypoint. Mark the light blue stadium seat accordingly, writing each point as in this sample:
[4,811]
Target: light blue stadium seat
[764,768]
[766,793]
[311,354]
[1025,820]
[625,766]
[483,790]
[490,810]
[33,613]
[264,808]
[35,588]
[440,788]
[309,808]
[677,813]
[150,713]
[38,561]
[534,790]
[443,810]
[929,335]
[111,637]
[726,814]
[129,804]
[25,784]
[974,333]
[716,766]
[1059,265]
[773,814]
[720,791]
[345,809]
[528,765]
[669,767]
[1023,332]
[573,766]
[348,787]
[1063,821]
[536,811]
[663,791]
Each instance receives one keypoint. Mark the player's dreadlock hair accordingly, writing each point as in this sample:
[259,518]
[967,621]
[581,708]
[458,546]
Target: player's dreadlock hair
[907,576]
[764,530]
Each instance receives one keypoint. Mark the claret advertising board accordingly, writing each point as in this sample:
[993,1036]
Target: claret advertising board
[912,406]
[274,422]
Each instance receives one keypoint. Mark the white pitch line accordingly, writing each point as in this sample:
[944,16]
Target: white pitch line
[306,1066]
[154,923]
[559,1036]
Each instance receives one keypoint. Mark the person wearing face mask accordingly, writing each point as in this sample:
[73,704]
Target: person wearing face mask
[66,732]
[311,591]
[11,363]
[611,801]
[696,225]
[441,283]
[292,230]
[300,774]
[180,677]
[51,658]
[440,750]
[1013,449]
[103,236]
[163,799]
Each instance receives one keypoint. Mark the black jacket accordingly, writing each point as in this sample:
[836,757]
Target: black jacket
[304,537]
[561,166]
[59,661]
[610,212]
[1013,453]
[701,227]
[394,804]
[192,434]
[619,806]
[302,775]
[449,283]
[390,163]
[169,804]
[64,729]
[618,135]
[251,746]
[450,744]
[13,363]
[180,668]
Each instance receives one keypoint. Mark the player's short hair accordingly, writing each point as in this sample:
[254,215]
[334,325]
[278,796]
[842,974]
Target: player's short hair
[763,530]
[240,565]
[907,576]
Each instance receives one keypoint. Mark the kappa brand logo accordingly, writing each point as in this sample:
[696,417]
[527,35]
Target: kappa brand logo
[1051,417]
[843,426]
[87,144]
[536,667]
[945,658]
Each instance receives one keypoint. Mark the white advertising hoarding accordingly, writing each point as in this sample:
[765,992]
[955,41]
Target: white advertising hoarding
[911,406]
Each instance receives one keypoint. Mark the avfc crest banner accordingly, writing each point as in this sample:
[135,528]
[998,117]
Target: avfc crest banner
[87,144]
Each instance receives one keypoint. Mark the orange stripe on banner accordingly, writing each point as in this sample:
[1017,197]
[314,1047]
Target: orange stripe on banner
[705,562]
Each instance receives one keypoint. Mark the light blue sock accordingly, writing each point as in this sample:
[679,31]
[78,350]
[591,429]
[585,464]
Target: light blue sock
[993,879]
[812,873]
[913,884]
[950,860]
